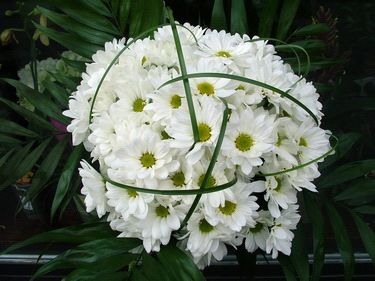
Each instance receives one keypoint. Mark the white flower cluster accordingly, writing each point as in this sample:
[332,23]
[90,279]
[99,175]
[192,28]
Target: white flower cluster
[45,71]
[141,135]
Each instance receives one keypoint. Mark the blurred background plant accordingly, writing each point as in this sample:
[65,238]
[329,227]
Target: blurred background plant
[338,38]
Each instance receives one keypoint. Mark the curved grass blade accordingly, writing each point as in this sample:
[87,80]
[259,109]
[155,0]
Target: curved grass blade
[174,192]
[185,81]
[246,80]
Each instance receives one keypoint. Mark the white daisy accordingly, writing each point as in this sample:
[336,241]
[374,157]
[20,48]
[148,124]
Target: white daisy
[256,235]
[93,188]
[246,141]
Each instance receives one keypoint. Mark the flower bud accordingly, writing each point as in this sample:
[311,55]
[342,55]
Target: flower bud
[6,36]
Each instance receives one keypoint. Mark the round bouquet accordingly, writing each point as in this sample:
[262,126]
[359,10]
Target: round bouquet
[200,136]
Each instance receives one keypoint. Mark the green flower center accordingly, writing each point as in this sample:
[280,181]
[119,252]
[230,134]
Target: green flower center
[302,142]
[132,193]
[257,228]
[244,142]
[205,227]
[178,179]
[210,183]
[229,208]
[164,135]
[204,132]
[175,101]
[144,59]
[138,105]
[206,88]
[147,160]
[240,88]
[279,184]
[279,140]
[162,211]
[223,54]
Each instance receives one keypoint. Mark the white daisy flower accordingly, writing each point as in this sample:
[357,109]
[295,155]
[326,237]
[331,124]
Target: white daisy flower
[247,141]
[209,117]
[93,189]
[145,157]
[128,202]
[281,236]
[256,235]
[238,209]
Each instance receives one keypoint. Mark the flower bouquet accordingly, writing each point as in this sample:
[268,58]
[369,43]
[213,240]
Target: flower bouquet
[191,132]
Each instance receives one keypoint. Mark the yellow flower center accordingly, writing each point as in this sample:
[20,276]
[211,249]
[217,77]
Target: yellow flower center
[302,142]
[206,88]
[223,54]
[144,59]
[175,101]
[178,179]
[210,183]
[132,193]
[162,211]
[205,227]
[257,228]
[240,88]
[138,105]
[229,208]
[147,160]
[244,142]
[204,132]
[279,184]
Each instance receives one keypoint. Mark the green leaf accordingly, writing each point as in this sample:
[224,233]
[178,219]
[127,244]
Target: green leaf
[344,145]
[14,161]
[299,256]
[287,267]
[238,17]
[69,82]
[288,12]
[58,93]
[124,12]
[9,140]
[312,29]
[317,221]
[28,115]
[367,235]
[79,65]
[72,234]
[25,164]
[153,270]
[366,209]
[5,157]
[342,240]
[267,17]
[66,178]
[12,128]
[361,189]
[71,42]
[46,170]
[83,13]
[218,18]
[311,45]
[90,255]
[97,6]
[346,172]
[144,14]
[179,265]
[84,32]
[40,101]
